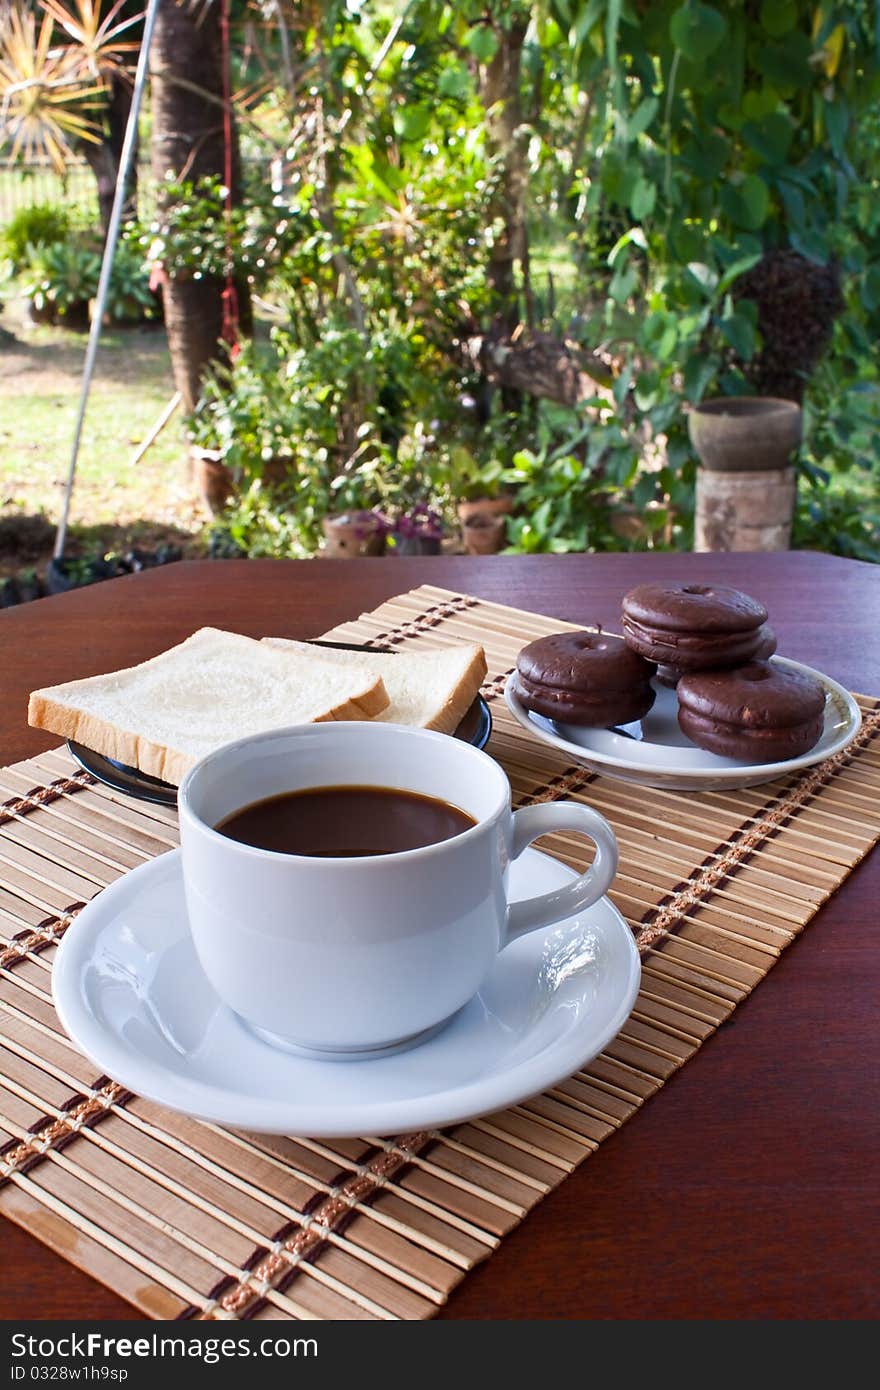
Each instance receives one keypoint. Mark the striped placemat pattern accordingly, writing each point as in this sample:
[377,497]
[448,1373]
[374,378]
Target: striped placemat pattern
[185,1219]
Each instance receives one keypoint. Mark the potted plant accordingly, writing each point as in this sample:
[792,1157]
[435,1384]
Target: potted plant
[483,502]
[746,485]
[60,281]
[746,444]
[417,531]
[241,431]
[484,533]
[353,533]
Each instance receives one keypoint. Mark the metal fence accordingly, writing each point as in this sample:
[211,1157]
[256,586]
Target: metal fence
[26,185]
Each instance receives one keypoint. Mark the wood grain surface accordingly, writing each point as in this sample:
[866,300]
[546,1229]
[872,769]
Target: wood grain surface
[747,1189]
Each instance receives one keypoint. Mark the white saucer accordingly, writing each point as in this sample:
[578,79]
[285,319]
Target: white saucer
[131,994]
[658,754]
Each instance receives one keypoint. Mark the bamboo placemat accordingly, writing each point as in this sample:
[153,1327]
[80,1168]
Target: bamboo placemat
[186,1219]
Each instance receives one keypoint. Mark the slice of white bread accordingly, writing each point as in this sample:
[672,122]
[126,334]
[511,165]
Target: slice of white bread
[215,687]
[429,689]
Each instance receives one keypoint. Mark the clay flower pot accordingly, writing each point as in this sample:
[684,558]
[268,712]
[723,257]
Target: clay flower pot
[353,534]
[745,434]
[746,488]
[211,478]
[484,534]
[485,506]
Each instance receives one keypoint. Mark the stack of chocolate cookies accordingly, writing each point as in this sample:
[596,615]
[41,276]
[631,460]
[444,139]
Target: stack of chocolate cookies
[711,643]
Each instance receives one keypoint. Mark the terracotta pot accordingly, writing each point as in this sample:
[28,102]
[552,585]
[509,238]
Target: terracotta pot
[484,534]
[212,479]
[485,506]
[745,434]
[353,534]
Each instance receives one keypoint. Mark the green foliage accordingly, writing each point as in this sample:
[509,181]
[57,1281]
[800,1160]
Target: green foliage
[562,506]
[194,235]
[257,526]
[44,224]
[643,159]
[129,297]
[703,164]
[319,429]
[61,279]
[839,492]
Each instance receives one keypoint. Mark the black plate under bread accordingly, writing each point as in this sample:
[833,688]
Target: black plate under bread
[475,728]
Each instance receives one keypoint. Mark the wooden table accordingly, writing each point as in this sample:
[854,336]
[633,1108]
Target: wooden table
[773,1214]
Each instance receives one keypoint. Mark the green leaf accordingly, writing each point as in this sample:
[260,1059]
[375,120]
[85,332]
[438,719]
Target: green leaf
[644,196]
[778,16]
[759,103]
[738,330]
[642,117]
[660,335]
[646,390]
[704,276]
[482,42]
[810,244]
[612,24]
[837,124]
[587,18]
[686,243]
[793,202]
[870,288]
[412,122]
[747,203]
[706,154]
[455,82]
[697,30]
[771,138]
[635,235]
[736,269]
[698,374]
[623,282]
[785,64]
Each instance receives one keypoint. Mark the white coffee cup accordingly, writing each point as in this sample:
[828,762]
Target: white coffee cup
[349,956]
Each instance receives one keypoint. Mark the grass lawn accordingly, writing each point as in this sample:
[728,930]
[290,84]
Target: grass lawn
[114,504]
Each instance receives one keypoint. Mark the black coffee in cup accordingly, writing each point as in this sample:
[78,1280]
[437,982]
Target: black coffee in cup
[345,822]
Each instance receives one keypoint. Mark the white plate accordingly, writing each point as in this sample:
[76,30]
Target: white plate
[131,994]
[658,754]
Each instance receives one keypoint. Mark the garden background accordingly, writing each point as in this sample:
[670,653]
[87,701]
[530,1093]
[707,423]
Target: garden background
[447,251]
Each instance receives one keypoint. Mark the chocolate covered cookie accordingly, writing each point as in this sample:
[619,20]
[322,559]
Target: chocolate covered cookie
[693,627]
[760,712]
[671,675]
[587,678]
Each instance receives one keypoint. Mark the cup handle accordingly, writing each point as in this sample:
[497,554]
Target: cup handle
[541,911]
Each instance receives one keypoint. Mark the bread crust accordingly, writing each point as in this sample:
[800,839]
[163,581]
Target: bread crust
[444,720]
[447,720]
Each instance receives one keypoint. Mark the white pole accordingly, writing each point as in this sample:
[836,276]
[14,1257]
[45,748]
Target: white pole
[128,147]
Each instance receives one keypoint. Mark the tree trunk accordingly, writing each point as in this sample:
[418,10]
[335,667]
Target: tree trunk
[103,159]
[186,70]
[500,94]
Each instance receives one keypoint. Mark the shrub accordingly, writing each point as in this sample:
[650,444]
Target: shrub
[44,224]
[61,280]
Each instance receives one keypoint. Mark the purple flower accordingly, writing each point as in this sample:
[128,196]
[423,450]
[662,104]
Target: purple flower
[421,520]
